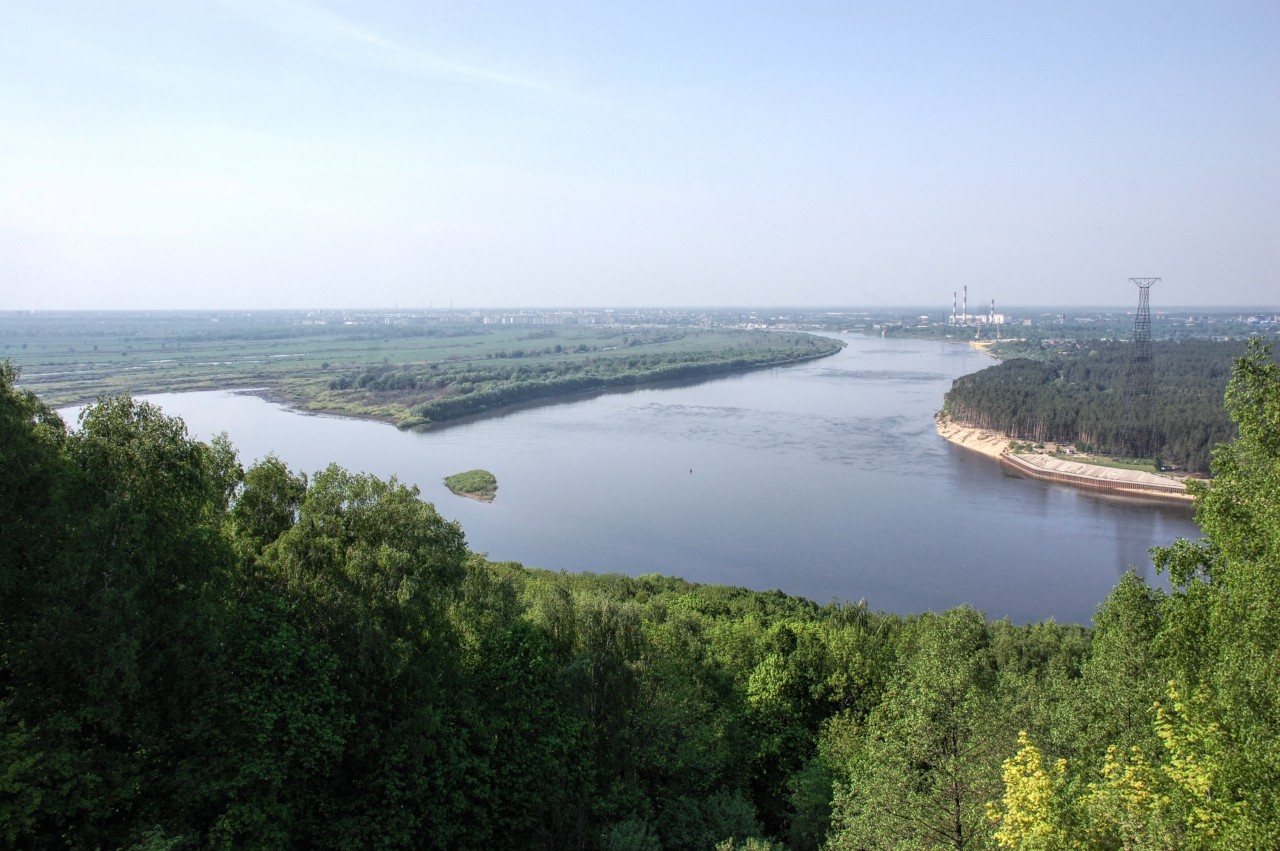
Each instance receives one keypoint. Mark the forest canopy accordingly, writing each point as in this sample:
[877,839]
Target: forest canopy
[1074,393]
[196,654]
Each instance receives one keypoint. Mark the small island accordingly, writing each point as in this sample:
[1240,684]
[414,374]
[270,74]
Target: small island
[474,484]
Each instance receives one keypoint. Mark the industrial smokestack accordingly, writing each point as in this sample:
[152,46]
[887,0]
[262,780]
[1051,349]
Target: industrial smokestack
[964,313]
[953,307]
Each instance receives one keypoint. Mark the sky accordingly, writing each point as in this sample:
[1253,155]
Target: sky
[409,153]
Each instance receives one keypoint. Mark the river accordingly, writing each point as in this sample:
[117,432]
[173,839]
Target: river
[824,479]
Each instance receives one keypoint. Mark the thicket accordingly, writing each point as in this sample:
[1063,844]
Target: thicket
[1075,395]
[473,482]
[194,654]
[443,391]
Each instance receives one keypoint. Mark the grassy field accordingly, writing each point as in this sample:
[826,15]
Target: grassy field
[1117,463]
[73,358]
[379,365]
[1019,446]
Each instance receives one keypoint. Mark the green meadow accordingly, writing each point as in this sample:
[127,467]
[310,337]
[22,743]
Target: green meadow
[408,369]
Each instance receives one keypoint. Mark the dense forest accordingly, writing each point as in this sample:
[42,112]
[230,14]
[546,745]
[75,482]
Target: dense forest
[198,655]
[437,392]
[1074,393]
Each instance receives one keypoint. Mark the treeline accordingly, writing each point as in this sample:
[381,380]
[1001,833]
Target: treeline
[444,391]
[197,655]
[1075,394]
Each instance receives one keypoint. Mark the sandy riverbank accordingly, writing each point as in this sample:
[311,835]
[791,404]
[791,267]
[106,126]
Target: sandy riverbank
[989,443]
[1067,471]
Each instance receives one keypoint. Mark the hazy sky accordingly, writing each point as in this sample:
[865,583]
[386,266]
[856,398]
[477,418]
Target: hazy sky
[325,153]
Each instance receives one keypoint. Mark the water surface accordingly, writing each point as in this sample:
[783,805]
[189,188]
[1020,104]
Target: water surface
[824,479]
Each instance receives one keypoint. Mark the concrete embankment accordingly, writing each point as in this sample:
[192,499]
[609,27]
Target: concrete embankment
[1094,477]
[1063,470]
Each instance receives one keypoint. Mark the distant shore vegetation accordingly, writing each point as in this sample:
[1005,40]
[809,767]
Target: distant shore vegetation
[413,373]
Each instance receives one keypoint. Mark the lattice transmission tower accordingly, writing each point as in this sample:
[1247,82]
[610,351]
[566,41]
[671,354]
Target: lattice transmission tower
[1138,435]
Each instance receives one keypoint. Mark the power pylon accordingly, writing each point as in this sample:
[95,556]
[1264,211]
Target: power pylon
[1138,435]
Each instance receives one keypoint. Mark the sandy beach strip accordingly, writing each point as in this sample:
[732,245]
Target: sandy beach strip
[985,441]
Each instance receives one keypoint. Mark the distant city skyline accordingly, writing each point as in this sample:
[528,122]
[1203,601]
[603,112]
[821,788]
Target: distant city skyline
[265,154]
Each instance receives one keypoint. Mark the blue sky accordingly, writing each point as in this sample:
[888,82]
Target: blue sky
[316,153]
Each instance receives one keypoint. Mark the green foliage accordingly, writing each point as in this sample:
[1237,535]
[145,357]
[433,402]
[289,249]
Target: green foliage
[266,507]
[274,724]
[1077,395]
[197,655]
[630,835]
[107,620]
[1223,627]
[752,843]
[480,484]
[468,389]
[1124,676]
[1191,762]
[927,760]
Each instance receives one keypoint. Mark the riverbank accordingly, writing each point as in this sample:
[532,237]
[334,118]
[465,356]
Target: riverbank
[1062,470]
[484,388]
[1112,480]
[397,368]
[993,444]
[491,396]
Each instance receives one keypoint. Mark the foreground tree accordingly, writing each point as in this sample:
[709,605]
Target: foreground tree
[370,571]
[111,573]
[1224,624]
[928,760]
[1199,767]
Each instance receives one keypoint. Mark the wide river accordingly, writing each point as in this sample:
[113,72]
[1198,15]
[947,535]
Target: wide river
[825,479]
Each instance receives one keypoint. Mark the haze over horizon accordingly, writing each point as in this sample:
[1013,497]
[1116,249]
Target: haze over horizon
[256,154]
[1157,309]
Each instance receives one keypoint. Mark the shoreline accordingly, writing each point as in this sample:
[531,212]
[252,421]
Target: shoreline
[1078,474]
[478,497]
[984,441]
[406,422]
[308,405]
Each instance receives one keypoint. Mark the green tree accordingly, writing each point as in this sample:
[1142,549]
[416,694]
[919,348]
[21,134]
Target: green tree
[104,654]
[266,506]
[271,731]
[927,761]
[371,571]
[32,442]
[690,735]
[528,775]
[1223,628]
[603,679]
[1125,674]
[788,696]
[32,528]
